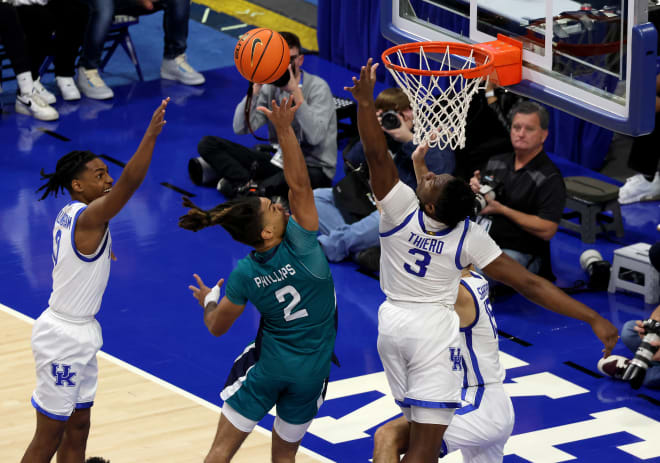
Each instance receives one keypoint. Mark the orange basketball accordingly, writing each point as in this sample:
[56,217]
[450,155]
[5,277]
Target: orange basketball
[261,55]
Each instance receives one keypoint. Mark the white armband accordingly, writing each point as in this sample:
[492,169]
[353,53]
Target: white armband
[212,296]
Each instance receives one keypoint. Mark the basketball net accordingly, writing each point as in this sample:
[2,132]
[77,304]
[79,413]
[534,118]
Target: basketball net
[439,102]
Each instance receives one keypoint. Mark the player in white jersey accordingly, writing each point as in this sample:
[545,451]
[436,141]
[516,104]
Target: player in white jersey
[66,337]
[425,242]
[483,424]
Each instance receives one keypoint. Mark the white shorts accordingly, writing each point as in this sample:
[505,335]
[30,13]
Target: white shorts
[65,358]
[481,432]
[288,432]
[419,347]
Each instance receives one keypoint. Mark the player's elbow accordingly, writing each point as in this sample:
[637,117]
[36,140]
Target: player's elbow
[217,331]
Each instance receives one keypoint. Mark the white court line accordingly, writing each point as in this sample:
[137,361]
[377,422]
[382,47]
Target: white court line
[165,384]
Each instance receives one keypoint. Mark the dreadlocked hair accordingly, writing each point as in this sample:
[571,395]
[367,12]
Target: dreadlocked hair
[68,167]
[241,217]
[456,202]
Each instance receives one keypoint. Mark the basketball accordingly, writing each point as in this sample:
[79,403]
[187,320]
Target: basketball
[261,55]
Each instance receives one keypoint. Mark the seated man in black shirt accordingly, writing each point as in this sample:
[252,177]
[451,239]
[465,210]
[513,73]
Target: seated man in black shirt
[529,191]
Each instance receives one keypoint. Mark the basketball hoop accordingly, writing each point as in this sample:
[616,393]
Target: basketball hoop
[448,76]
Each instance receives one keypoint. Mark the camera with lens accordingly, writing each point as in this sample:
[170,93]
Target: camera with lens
[390,120]
[597,268]
[488,191]
[637,367]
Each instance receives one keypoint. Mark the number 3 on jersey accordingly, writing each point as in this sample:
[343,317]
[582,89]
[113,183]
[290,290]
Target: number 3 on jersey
[281,294]
[422,262]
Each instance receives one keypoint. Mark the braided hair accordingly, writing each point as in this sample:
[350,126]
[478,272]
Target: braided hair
[241,217]
[68,168]
[456,202]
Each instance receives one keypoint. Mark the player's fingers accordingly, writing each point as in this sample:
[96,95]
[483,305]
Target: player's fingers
[199,280]
[220,282]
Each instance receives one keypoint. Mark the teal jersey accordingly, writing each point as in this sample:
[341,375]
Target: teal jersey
[291,285]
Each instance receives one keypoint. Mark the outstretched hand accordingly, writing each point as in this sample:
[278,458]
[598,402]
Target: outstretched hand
[420,152]
[363,88]
[203,290]
[607,334]
[281,116]
[158,119]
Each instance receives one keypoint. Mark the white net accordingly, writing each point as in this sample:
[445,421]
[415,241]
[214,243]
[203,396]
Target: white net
[439,102]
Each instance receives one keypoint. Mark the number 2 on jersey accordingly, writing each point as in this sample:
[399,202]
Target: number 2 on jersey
[421,263]
[295,295]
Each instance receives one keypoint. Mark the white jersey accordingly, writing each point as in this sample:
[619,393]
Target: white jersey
[79,280]
[480,344]
[418,264]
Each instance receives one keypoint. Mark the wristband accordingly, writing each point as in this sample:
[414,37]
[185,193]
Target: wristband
[490,93]
[212,296]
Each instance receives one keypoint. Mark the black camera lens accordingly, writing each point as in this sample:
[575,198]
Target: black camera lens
[390,120]
[636,370]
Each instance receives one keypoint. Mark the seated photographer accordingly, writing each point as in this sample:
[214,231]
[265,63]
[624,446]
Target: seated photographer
[348,218]
[523,192]
[632,334]
[241,169]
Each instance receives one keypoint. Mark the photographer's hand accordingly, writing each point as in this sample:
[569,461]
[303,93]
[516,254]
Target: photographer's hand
[402,133]
[293,88]
[493,207]
[655,315]
[475,181]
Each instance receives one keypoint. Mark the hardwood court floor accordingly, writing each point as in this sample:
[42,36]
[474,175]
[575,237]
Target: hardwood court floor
[136,417]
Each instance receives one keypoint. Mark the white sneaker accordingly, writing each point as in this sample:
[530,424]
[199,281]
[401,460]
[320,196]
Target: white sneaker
[45,95]
[179,69]
[68,88]
[637,188]
[33,105]
[90,83]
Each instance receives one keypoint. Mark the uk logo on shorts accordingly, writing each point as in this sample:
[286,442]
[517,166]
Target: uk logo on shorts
[63,376]
[456,358]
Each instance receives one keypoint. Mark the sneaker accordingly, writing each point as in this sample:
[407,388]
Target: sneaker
[68,88]
[613,366]
[201,172]
[45,95]
[90,83]
[179,69]
[637,188]
[33,105]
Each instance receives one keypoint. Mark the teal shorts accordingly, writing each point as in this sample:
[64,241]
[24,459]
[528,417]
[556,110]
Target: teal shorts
[254,394]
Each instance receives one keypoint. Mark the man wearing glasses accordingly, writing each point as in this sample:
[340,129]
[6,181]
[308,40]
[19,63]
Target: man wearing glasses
[239,170]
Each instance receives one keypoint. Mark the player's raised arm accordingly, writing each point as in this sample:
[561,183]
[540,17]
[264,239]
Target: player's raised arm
[419,161]
[301,197]
[540,291]
[102,209]
[382,170]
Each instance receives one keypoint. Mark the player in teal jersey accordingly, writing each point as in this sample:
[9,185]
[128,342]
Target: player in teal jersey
[288,280]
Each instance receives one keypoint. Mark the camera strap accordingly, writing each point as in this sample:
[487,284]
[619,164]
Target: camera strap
[246,112]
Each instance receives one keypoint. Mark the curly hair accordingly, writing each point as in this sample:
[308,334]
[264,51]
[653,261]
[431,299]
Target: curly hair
[68,168]
[456,202]
[241,217]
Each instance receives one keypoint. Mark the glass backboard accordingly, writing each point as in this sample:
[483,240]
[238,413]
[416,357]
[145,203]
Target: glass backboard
[596,61]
